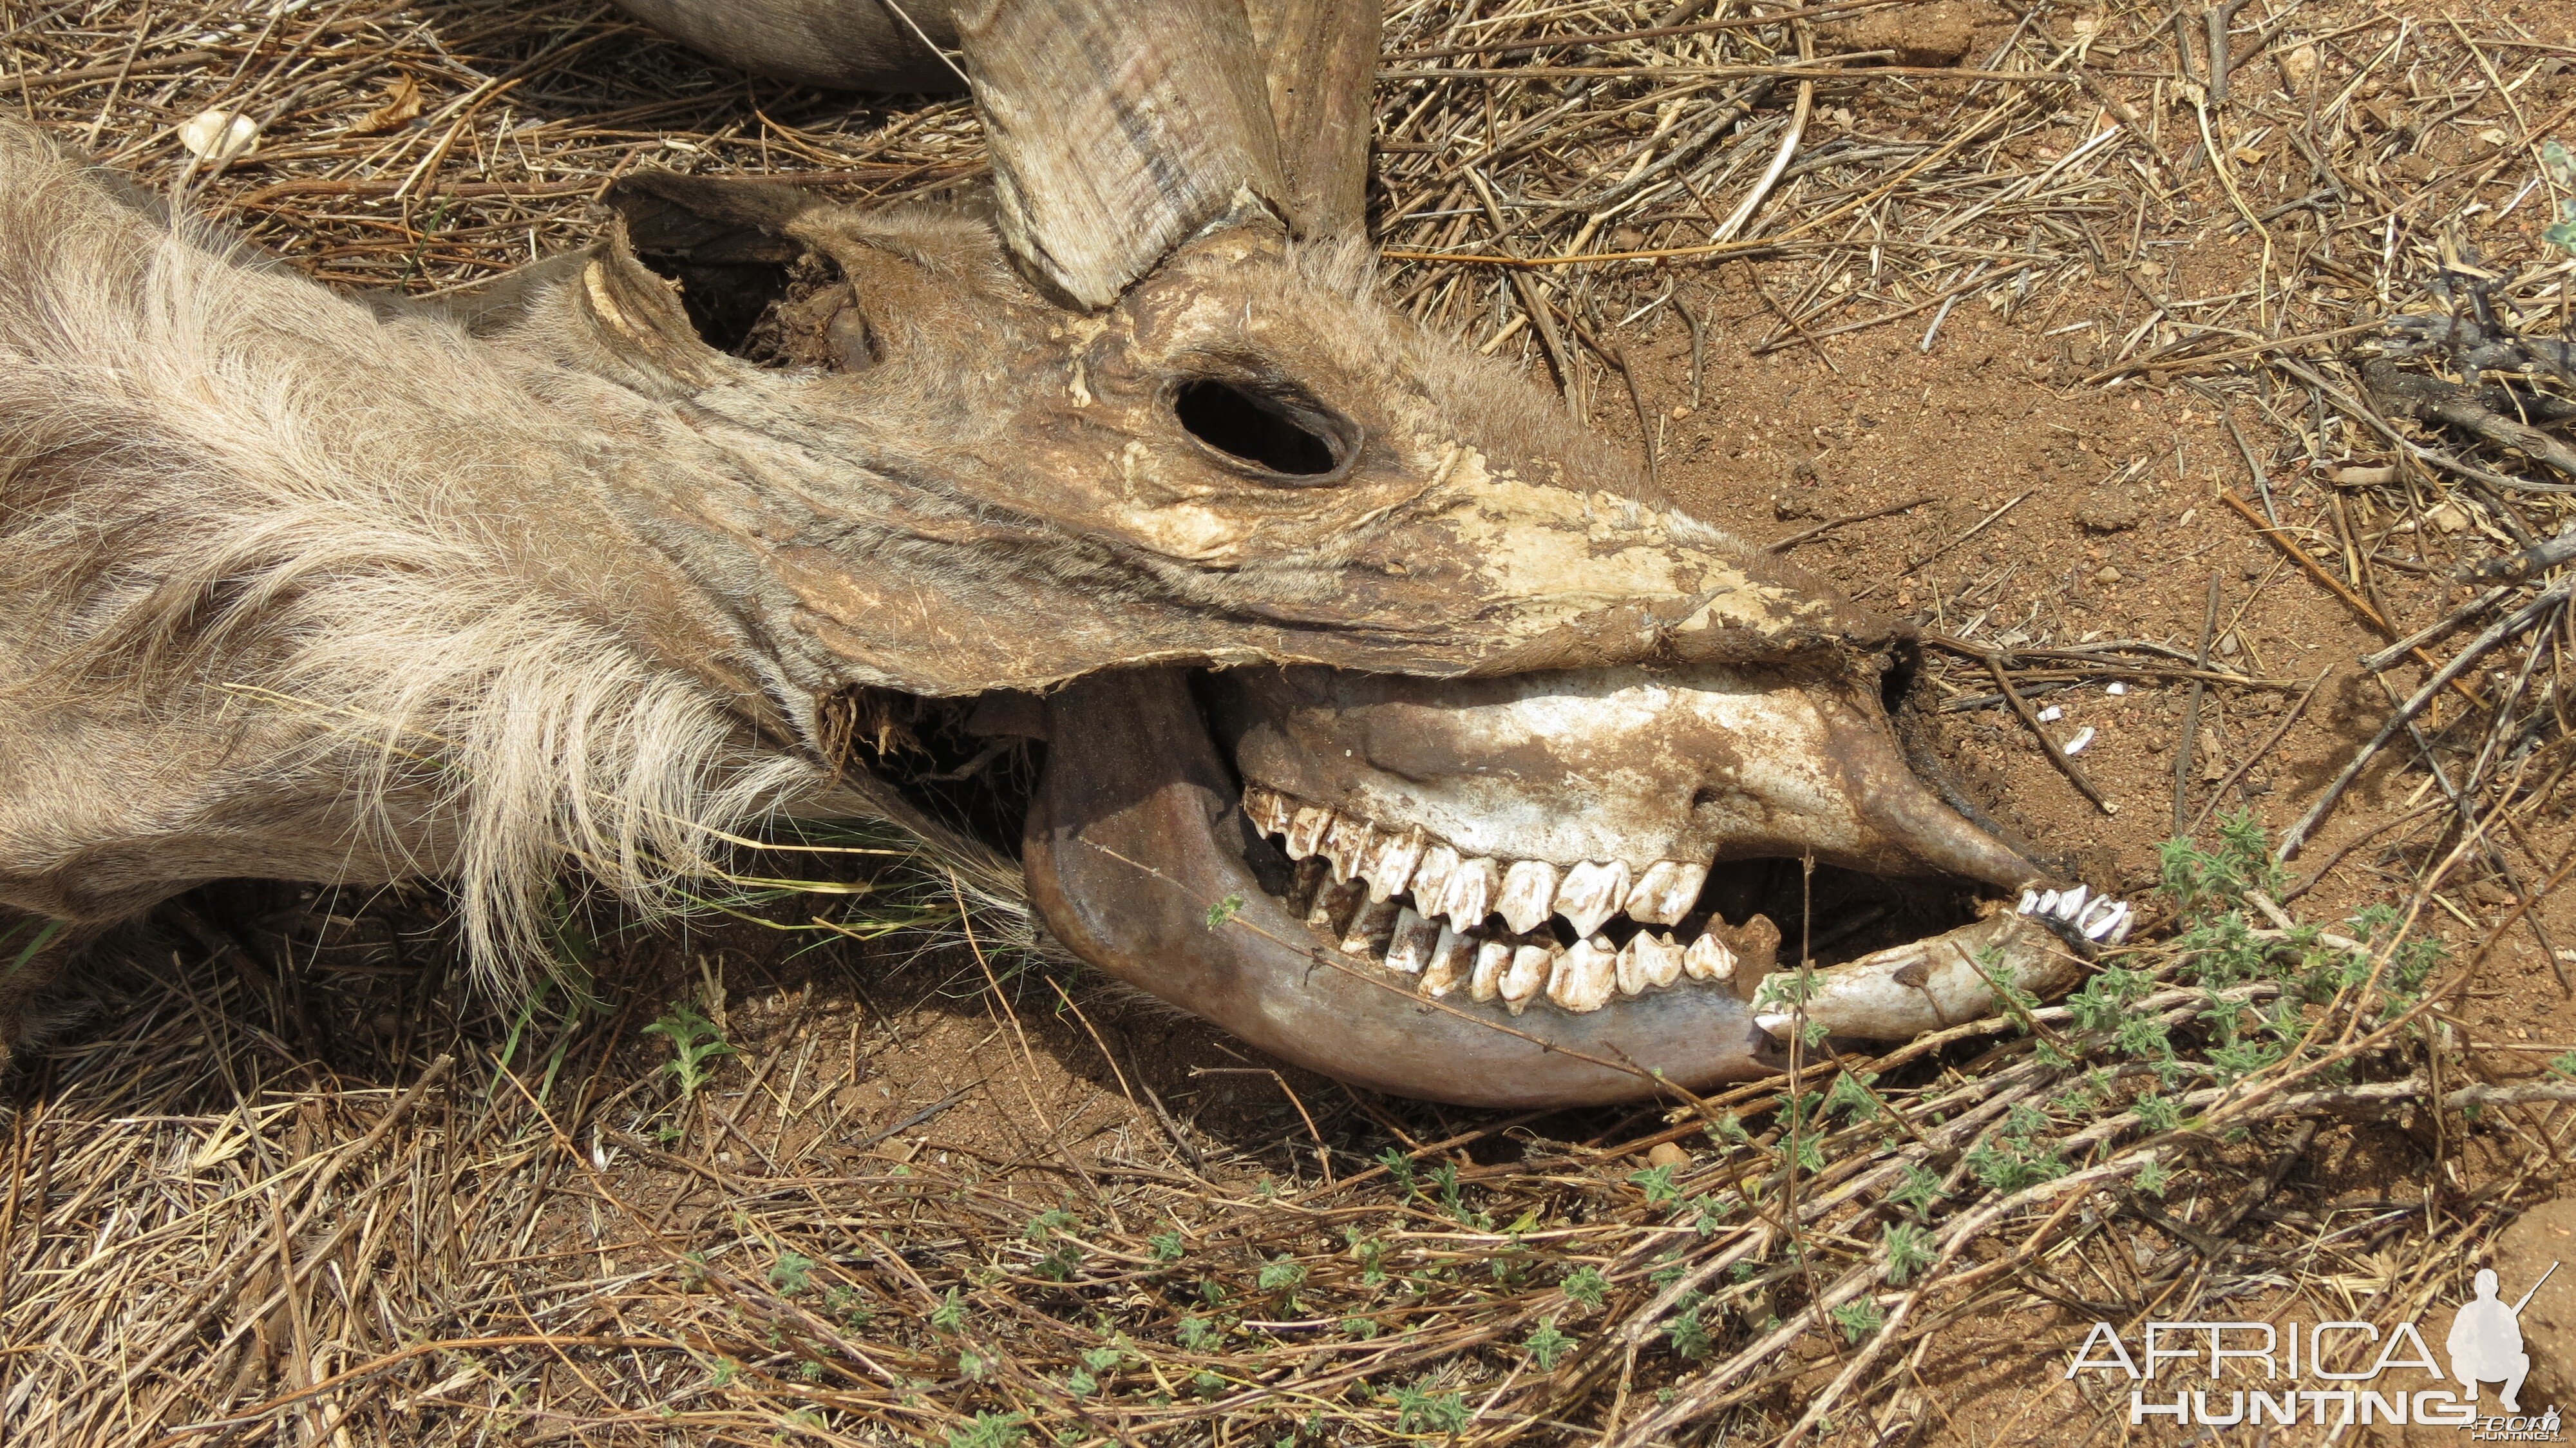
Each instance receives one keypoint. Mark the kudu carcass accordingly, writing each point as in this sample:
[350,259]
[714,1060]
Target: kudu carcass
[1386,719]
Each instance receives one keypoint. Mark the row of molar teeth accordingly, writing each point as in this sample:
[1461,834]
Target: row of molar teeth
[2102,918]
[1354,872]
[1465,889]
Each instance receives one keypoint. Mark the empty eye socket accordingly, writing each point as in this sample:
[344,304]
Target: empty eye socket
[1276,436]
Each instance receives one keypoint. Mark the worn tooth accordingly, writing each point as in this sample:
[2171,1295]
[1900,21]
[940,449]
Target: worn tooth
[1527,976]
[1335,904]
[1267,808]
[1345,842]
[1582,978]
[2047,903]
[2108,921]
[1306,830]
[1469,895]
[1709,959]
[1312,874]
[1529,892]
[1431,877]
[1631,969]
[1371,926]
[1388,863]
[1452,957]
[2029,902]
[2120,932]
[1591,894]
[1657,961]
[2070,903]
[1410,949]
[1493,959]
[1666,892]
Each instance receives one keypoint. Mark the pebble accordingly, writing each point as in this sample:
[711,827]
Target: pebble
[1666,1153]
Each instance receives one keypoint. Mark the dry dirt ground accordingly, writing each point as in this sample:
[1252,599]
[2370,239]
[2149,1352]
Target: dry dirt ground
[291,1179]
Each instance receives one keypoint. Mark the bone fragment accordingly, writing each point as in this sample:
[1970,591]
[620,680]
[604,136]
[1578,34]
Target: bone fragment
[1345,842]
[1584,975]
[1334,906]
[1493,958]
[1452,958]
[1527,975]
[1925,985]
[1666,892]
[1388,862]
[1709,959]
[1469,896]
[1306,830]
[1529,893]
[1409,950]
[1591,894]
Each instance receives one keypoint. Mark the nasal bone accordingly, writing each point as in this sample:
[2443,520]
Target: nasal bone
[1912,823]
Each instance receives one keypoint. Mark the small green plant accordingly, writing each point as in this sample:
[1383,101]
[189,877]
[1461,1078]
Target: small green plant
[950,1314]
[1908,1249]
[2562,174]
[1689,1338]
[1587,1286]
[1365,1329]
[1546,1344]
[988,1430]
[1420,1411]
[1198,1334]
[1859,1318]
[1400,1167]
[1657,1182]
[1166,1246]
[1281,1274]
[696,1045]
[2152,1176]
[793,1273]
[1224,910]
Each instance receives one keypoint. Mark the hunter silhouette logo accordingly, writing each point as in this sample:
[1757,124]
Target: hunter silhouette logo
[2486,1340]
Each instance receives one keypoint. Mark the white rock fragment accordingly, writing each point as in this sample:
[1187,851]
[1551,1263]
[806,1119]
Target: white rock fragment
[219,136]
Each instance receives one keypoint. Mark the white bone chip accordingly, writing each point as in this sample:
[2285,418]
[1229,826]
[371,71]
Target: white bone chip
[2115,688]
[2083,737]
[220,136]
[2051,714]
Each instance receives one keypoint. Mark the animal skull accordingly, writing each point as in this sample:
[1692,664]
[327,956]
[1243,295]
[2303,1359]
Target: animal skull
[1387,719]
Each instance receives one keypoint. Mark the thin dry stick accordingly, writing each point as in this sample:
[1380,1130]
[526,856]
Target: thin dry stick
[2065,764]
[2190,739]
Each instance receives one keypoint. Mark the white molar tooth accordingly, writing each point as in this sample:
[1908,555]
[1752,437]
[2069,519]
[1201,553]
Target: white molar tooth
[1529,893]
[2070,903]
[1709,959]
[1493,958]
[1658,960]
[1680,894]
[2029,902]
[1591,894]
[1410,950]
[1345,842]
[1582,978]
[1431,877]
[2120,932]
[1306,830]
[1388,865]
[1468,897]
[1260,802]
[1647,894]
[1371,925]
[1527,975]
[1453,956]
[2110,920]
[1632,968]
[2047,903]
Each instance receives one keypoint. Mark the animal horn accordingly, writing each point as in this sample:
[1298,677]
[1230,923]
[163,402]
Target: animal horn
[1322,63]
[1116,131]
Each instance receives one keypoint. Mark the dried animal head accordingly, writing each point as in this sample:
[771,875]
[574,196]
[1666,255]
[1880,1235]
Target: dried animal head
[1373,710]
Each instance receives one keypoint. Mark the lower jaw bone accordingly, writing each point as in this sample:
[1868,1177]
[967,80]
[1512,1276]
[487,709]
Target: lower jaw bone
[1928,985]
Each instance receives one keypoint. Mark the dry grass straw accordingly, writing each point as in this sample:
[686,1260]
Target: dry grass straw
[293,1186]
